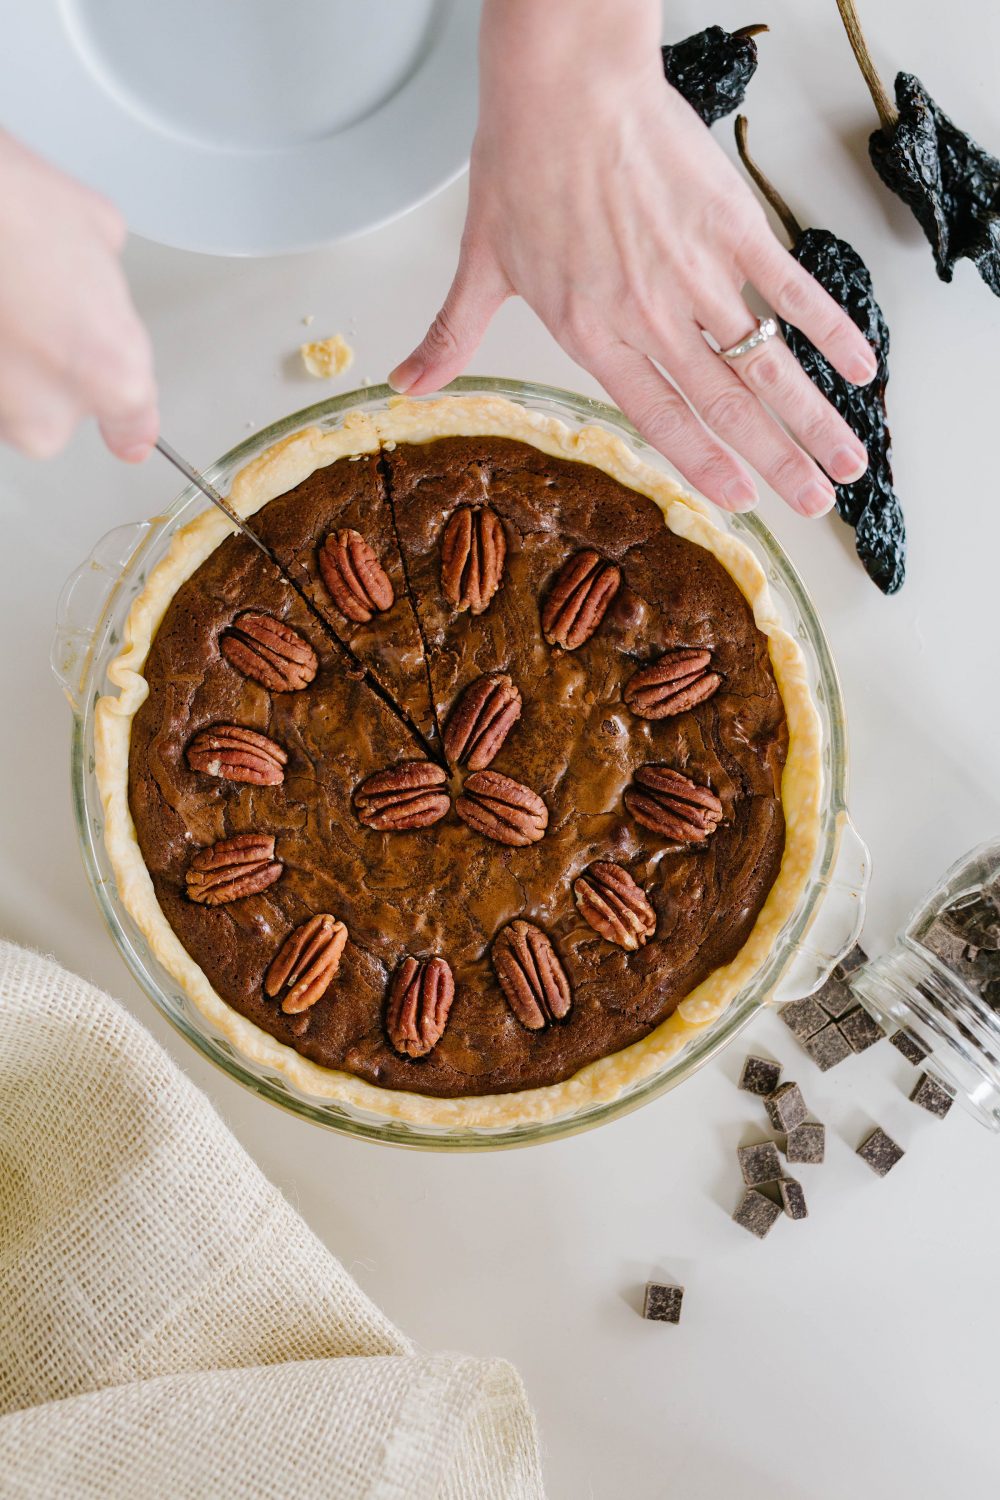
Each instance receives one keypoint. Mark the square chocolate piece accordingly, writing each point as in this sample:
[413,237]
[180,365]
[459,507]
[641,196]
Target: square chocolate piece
[880,1151]
[851,962]
[977,918]
[909,1046]
[836,997]
[662,1304]
[932,1096]
[760,1075]
[806,1143]
[861,1030]
[757,1213]
[786,1107]
[943,941]
[803,1017]
[828,1047]
[793,1199]
[759,1163]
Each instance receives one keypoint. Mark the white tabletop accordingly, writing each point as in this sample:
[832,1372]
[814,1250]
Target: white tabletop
[851,1353]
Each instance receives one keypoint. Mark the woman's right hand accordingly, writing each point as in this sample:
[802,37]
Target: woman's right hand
[71,343]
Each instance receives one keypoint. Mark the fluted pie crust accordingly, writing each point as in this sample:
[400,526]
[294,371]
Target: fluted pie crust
[280,469]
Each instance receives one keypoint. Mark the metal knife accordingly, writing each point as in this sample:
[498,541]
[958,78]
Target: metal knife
[211,493]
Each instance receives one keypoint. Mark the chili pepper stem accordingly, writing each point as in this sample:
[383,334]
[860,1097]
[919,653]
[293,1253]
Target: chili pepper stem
[746,31]
[791,224]
[887,111]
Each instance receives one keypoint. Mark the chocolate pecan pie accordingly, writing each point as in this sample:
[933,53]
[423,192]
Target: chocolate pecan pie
[489,795]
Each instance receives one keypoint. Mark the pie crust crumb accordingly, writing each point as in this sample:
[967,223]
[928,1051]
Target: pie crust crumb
[326,358]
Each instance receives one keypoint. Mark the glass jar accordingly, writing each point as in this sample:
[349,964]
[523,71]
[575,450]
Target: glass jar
[940,983]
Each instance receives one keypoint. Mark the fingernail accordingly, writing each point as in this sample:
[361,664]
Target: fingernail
[814,498]
[136,453]
[848,464]
[403,378]
[861,369]
[739,494]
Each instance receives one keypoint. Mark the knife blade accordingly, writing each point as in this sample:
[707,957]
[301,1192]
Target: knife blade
[211,493]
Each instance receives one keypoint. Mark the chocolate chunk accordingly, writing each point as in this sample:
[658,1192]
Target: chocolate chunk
[828,1047]
[806,1143]
[932,1096]
[977,918]
[756,1213]
[861,1029]
[909,1046]
[803,1017]
[947,944]
[786,1107]
[988,963]
[793,1199]
[760,1075]
[662,1304]
[836,997]
[880,1151]
[851,962]
[759,1163]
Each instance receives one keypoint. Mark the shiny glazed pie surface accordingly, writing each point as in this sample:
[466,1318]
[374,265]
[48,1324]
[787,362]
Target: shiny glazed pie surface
[383,690]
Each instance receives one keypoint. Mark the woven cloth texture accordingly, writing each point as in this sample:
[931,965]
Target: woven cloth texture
[170,1326]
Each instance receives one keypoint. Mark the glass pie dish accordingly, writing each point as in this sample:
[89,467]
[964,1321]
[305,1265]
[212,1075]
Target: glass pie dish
[820,930]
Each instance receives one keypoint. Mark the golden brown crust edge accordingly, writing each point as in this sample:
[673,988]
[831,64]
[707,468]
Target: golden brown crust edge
[279,469]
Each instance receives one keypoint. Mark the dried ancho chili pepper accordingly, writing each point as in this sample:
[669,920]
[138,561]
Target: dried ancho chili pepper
[947,181]
[869,504]
[712,69]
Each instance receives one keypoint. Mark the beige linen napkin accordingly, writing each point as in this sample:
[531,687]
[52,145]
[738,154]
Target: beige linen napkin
[169,1326]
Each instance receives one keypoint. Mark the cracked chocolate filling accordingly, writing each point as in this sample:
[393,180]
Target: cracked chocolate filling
[446,889]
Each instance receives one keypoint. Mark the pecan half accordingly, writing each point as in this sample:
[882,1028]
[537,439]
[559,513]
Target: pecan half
[232,868]
[531,975]
[671,685]
[609,899]
[420,997]
[269,651]
[306,962]
[358,584]
[235,753]
[502,809]
[584,587]
[410,795]
[473,550]
[673,805]
[480,721]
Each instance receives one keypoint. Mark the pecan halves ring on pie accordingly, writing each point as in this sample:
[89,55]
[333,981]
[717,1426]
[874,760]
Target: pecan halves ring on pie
[269,651]
[306,963]
[672,805]
[420,998]
[357,582]
[473,550]
[409,795]
[679,680]
[502,809]
[614,905]
[481,720]
[233,868]
[578,599]
[531,975]
[235,753]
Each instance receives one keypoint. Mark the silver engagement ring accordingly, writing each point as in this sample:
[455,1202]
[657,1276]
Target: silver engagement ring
[766,329]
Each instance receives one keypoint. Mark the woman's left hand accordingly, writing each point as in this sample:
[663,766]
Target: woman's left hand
[598,195]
